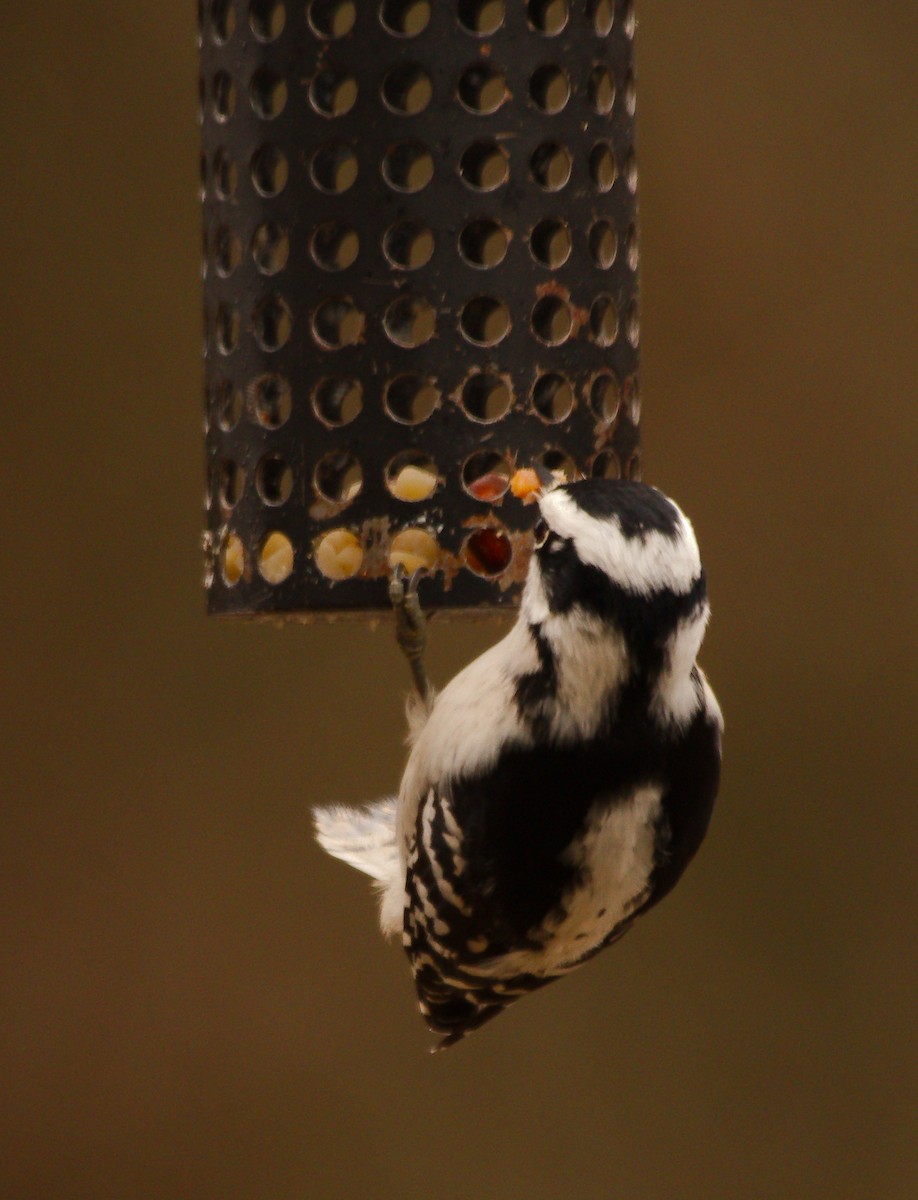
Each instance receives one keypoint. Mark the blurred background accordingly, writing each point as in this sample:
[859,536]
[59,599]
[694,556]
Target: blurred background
[195,1002]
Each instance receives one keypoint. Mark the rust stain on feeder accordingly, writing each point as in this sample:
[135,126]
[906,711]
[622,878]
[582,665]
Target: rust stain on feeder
[579,316]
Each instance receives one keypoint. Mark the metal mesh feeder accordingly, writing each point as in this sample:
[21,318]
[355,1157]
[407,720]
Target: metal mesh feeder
[420,270]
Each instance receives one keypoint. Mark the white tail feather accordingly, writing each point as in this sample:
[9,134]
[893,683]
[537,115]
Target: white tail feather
[362,837]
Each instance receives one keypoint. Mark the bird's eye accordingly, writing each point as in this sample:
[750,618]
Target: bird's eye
[540,534]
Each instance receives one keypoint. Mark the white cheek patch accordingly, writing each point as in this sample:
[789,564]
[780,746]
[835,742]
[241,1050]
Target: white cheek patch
[643,564]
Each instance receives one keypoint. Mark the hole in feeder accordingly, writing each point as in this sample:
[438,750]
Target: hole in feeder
[548,16]
[605,397]
[481,17]
[275,558]
[333,168]
[269,171]
[602,14]
[604,321]
[559,464]
[227,251]
[407,89]
[603,244]
[410,322]
[631,399]
[408,244]
[232,482]
[552,320]
[267,93]
[549,88]
[411,399]
[337,400]
[551,166]
[228,327]
[274,480]
[488,551]
[632,253]
[482,88]
[226,176]
[224,96]
[485,321]
[331,18]
[486,475]
[486,397]
[338,555]
[232,560]
[229,405]
[632,324]
[631,172]
[633,467]
[333,92]
[485,166]
[411,475]
[552,397]
[602,166]
[271,400]
[550,243]
[483,243]
[334,246]
[223,21]
[630,94]
[606,466]
[272,323]
[414,549]
[266,19]
[338,477]
[270,248]
[405,18]
[408,167]
[601,90]
[337,322]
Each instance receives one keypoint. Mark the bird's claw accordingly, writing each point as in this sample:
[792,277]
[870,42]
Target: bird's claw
[410,625]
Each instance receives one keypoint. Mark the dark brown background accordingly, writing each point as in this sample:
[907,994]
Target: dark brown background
[194,1001]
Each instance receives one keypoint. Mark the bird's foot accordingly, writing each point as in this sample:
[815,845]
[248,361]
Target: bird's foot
[410,626]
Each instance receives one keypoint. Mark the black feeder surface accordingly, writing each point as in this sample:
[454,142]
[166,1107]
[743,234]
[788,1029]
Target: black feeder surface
[420,273]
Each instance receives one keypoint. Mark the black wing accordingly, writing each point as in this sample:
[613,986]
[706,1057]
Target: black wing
[452,933]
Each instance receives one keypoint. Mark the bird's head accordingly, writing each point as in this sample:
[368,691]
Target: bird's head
[619,554]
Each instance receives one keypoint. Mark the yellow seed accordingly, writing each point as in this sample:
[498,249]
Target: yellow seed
[276,559]
[349,560]
[233,559]
[338,555]
[524,484]
[414,483]
[414,549]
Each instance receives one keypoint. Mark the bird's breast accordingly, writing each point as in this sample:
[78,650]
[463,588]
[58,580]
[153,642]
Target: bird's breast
[612,861]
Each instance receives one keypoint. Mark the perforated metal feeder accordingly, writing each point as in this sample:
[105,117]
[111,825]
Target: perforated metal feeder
[420,272]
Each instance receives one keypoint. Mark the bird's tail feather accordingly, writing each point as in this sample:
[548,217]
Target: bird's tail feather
[362,837]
